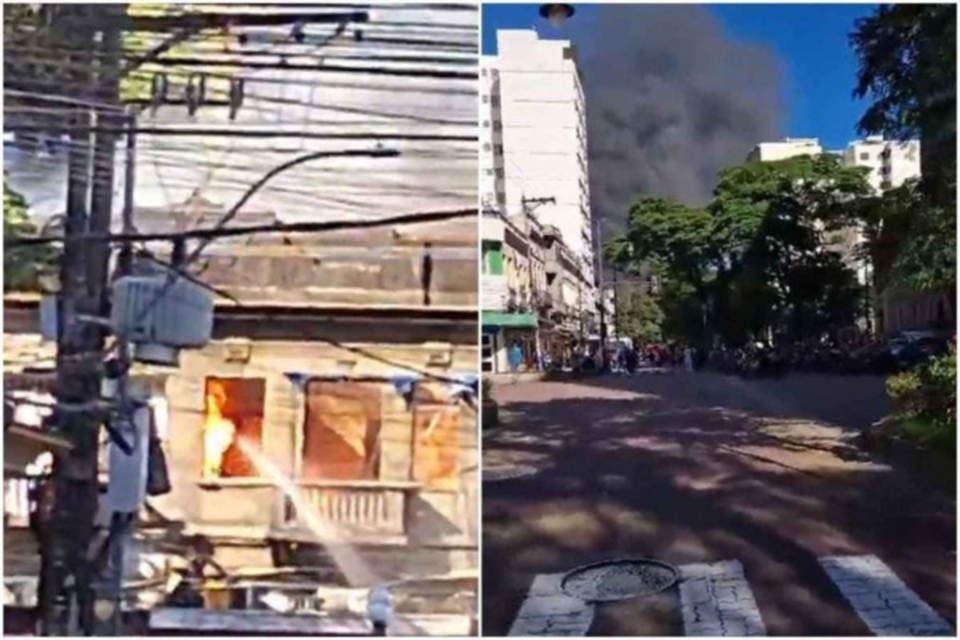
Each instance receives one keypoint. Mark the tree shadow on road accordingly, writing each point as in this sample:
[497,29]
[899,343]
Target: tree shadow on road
[688,474]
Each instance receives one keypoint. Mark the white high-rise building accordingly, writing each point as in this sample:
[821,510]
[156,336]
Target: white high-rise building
[891,162]
[534,137]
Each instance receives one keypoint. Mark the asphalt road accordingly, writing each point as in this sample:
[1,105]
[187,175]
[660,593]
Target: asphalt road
[702,468]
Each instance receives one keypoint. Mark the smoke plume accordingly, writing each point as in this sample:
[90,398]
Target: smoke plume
[671,100]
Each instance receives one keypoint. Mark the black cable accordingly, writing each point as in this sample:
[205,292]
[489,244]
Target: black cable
[227,232]
[249,133]
[440,74]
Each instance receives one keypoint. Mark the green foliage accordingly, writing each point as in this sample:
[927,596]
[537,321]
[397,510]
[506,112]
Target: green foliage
[908,70]
[925,401]
[24,266]
[639,316]
[755,261]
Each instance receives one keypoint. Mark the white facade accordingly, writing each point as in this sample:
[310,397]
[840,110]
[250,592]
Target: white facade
[891,162]
[536,143]
[786,148]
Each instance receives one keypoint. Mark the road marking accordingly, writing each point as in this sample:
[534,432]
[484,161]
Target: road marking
[881,599]
[716,600]
[547,611]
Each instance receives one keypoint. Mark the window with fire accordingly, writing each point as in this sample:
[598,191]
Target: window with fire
[343,434]
[233,421]
[436,437]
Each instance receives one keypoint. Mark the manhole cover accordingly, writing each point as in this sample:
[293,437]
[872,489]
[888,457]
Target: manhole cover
[612,580]
[497,474]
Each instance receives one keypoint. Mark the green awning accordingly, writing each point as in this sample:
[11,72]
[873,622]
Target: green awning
[499,319]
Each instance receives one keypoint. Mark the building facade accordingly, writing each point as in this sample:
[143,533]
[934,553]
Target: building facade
[534,295]
[891,162]
[533,100]
[538,263]
[784,149]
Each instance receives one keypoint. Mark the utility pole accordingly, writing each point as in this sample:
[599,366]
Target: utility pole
[616,306]
[73,481]
[598,250]
[67,570]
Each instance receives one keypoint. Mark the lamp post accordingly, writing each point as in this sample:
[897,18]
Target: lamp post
[556,12]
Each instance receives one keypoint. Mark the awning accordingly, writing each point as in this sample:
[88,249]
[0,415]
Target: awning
[499,319]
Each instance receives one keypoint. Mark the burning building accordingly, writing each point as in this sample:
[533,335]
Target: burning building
[328,430]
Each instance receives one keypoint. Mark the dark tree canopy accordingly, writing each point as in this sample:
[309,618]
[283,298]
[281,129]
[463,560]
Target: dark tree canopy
[759,260]
[908,71]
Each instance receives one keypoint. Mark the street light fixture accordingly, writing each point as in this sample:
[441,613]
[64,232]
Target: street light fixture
[557,13]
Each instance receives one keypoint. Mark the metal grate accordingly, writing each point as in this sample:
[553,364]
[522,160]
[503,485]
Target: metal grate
[613,580]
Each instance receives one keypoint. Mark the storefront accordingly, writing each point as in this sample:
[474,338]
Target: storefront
[501,331]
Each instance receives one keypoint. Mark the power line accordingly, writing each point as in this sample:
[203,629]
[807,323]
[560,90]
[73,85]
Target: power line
[405,72]
[249,133]
[227,232]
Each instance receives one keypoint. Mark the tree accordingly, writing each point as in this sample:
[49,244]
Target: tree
[673,241]
[23,267]
[757,260]
[779,272]
[638,314]
[908,69]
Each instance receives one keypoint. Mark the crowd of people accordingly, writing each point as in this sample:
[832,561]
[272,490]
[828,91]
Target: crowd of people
[864,356]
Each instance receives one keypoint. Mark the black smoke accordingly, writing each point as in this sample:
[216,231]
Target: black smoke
[671,99]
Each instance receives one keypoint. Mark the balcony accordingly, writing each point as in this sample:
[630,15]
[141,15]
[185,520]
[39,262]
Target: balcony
[356,510]
[519,302]
[542,303]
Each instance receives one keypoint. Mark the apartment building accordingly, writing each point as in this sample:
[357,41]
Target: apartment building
[538,261]
[891,162]
[534,138]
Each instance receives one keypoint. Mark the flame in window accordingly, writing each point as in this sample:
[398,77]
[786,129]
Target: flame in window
[218,430]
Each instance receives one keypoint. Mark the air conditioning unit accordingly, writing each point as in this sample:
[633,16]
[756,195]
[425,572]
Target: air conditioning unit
[160,316]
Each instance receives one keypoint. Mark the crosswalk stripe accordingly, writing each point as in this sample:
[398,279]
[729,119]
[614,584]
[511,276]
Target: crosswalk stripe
[881,599]
[547,611]
[716,600]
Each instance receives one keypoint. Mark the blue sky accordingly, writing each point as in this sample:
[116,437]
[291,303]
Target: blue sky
[811,41]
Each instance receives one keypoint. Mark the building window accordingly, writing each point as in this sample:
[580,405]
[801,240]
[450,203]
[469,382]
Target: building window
[486,146]
[498,149]
[864,156]
[233,413]
[486,124]
[485,98]
[341,431]
[436,439]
